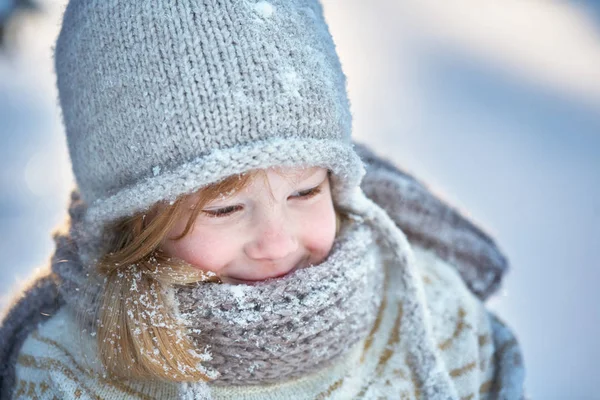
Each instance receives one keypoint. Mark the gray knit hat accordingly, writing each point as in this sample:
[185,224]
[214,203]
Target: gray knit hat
[160,98]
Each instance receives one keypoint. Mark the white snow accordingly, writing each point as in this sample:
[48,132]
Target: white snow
[291,82]
[264,8]
[238,291]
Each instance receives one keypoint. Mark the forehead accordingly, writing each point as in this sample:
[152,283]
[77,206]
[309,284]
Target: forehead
[290,177]
[236,184]
[295,174]
[273,180]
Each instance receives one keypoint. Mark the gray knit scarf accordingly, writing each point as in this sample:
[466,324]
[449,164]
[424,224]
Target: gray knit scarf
[274,330]
[285,327]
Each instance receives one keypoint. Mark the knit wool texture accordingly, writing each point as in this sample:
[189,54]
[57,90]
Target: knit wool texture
[278,329]
[161,98]
[286,328]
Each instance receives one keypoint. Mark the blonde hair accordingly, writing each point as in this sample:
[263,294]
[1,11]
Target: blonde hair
[138,336]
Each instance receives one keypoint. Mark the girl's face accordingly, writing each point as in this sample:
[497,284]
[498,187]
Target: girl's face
[281,221]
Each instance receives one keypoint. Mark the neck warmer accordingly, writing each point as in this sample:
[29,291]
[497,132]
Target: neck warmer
[273,330]
[283,328]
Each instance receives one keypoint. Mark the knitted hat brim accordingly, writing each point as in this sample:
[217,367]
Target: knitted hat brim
[167,185]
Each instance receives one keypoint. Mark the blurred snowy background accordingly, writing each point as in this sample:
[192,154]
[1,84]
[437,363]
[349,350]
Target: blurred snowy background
[494,104]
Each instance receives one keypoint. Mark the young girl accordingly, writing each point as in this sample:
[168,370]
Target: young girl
[226,240]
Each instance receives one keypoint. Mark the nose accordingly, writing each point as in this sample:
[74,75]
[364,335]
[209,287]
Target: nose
[273,240]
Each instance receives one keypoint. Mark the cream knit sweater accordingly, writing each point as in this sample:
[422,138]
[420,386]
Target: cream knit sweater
[480,354]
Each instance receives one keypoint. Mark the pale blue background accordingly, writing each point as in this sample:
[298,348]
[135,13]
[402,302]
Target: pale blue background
[512,141]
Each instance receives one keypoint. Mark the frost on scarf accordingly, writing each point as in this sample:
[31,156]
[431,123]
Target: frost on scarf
[283,328]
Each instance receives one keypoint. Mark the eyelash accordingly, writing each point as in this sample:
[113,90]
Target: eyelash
[307,194]
[222,212]
[225,211]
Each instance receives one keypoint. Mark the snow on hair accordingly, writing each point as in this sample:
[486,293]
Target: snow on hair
[138,335]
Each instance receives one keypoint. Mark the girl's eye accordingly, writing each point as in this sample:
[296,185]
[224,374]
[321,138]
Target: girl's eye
[307,194]
[222,212]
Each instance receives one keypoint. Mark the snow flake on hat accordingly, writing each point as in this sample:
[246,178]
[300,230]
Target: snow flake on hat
[264,9]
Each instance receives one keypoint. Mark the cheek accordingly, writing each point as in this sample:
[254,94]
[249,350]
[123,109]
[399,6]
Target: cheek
[318,231]
[206,252]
